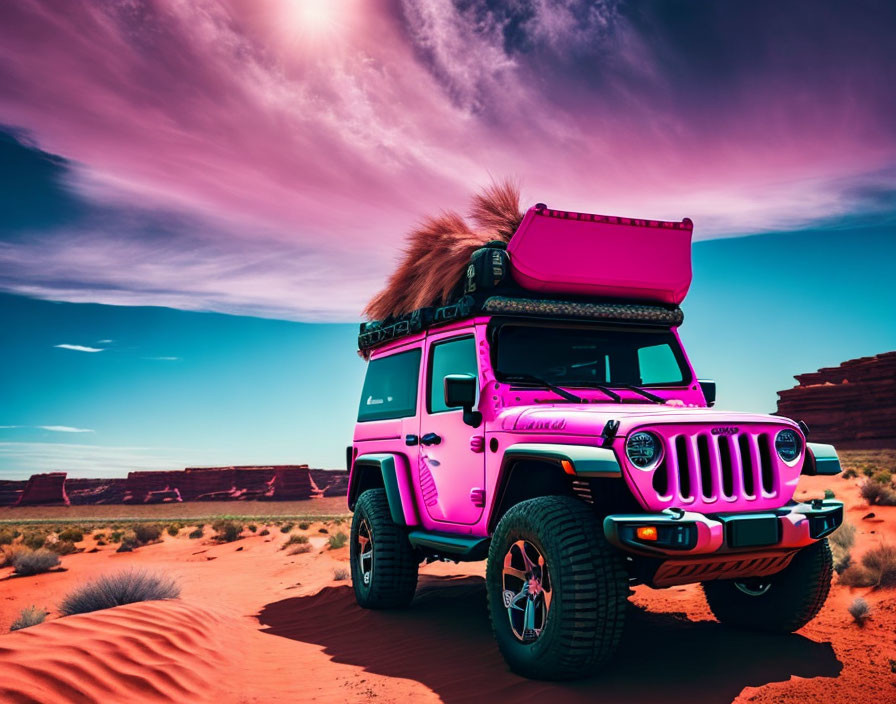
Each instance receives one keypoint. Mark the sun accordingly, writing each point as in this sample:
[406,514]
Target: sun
[311,20]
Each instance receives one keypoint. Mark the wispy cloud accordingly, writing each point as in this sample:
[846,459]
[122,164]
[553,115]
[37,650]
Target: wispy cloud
[256,165]
[78,348]
[64,429]
[163,359]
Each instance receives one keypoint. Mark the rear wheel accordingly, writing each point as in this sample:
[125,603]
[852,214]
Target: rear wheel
[384,565]
[557,590]
[781,603]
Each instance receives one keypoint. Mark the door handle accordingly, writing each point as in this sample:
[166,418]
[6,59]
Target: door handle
[431,439]
[411,439]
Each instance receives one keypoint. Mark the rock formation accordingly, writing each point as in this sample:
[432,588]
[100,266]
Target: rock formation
[271,483]
[43,489]
[852,406]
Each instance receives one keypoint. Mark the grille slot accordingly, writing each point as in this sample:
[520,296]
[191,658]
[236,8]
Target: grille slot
[700,467]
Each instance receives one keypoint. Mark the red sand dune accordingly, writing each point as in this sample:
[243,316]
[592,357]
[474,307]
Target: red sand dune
[257,624]
[150,652]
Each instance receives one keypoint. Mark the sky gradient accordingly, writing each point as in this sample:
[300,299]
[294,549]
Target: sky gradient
[264,160]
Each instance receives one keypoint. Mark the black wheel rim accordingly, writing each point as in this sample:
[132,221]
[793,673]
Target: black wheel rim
[365,552]
[526,591]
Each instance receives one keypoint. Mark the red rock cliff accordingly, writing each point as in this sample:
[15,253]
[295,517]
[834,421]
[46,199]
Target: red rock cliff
[46,488]
[852,406]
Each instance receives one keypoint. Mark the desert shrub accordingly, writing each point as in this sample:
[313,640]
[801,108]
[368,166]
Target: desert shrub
[893,666]
[286,527]
[859,610]
[878,494]
[868,470]
[300,549]
[116,536]
[173,530]
[34,539]
[129,542]
[7,535]
[338,541]
[71,535]
[226,531]
[100,542]
[252,528]
[844,536]
[304,526]
[62,547]
[829,494]
[120,588]
[883,477]
[264,531]
[295,539]
[880,562]
[30,562]
[30,616]
[850,473]
[197,533]
[8,553]
[147,532]
[340,574]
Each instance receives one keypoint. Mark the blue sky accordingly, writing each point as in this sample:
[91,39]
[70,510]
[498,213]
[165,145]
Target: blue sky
[217,187]
[172,388]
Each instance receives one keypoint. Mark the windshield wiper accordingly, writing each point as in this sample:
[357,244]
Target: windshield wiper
[601,387]
[646,394]
[531,378]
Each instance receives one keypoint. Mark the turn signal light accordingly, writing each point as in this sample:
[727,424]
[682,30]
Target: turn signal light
[567,467]
[646,533]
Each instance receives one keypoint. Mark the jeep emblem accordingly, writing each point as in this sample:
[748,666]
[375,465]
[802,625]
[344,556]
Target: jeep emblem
[725,430]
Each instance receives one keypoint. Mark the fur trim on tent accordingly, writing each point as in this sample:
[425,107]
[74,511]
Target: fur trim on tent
[439,250]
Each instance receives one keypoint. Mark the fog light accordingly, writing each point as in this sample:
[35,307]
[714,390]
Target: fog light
[646,533]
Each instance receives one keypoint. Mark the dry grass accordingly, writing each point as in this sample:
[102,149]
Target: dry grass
[437,252]
[340,574]
[112,590]
[300,549]
[30,616]
[860,610]
[295,539]
[877,569]
[226,531]
[337,541]
[30,562]
[877,494]
[841,541]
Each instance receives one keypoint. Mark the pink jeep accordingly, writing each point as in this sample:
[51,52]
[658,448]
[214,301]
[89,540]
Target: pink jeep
[550,422]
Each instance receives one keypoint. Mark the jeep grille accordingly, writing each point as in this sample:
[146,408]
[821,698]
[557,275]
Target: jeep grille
[710,471]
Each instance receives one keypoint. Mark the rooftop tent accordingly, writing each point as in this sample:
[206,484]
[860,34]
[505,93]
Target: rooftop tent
[600,256]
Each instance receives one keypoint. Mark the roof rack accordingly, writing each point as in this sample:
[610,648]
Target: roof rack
[378,332]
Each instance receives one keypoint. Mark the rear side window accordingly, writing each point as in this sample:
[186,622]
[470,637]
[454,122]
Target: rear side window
[456,356]
[390,387]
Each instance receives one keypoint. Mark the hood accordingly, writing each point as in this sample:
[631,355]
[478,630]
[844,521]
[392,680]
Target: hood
[589,419]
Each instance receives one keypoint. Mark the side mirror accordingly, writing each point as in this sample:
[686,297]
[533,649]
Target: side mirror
[709,391]
[460,392]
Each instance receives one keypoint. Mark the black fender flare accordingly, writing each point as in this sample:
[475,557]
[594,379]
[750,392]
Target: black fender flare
[387,466]
[576,461]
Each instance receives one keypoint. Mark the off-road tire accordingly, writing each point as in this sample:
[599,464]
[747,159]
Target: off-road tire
[589,584]
[794,598]
[393,577]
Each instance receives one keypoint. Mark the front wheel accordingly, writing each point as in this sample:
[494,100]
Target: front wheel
[781,603]
[384,565]
[557,590]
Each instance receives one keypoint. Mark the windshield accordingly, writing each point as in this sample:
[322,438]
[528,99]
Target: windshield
[585,356]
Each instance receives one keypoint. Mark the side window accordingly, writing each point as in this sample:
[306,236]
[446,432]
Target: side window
[390,387]
[457,356]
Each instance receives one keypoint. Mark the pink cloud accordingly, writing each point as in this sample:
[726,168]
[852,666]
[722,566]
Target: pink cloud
[323,134]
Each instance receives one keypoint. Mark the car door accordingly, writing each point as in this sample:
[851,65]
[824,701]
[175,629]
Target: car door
[449,467]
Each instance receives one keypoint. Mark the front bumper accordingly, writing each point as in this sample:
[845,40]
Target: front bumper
[682,534]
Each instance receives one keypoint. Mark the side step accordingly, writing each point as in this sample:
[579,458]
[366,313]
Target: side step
[457,546]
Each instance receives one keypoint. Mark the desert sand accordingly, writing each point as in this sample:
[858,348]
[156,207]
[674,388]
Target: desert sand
[255,624]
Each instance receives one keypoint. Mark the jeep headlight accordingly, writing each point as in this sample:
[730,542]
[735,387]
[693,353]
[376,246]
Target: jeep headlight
[644,450]
[788,445]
